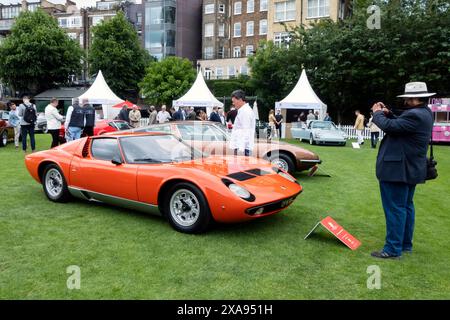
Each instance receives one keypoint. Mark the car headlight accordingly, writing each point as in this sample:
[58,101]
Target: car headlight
[239,191]
[317,135]
[287,176]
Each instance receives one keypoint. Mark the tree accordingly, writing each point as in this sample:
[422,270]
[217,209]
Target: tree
[38,55]
[116,51]
[167,80]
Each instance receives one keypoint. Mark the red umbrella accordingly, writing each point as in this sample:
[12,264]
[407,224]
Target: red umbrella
[125,103]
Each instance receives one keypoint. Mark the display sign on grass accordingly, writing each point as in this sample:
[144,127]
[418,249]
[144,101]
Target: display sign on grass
[338,231]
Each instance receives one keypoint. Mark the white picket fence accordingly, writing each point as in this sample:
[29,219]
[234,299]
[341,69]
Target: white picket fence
[351,132]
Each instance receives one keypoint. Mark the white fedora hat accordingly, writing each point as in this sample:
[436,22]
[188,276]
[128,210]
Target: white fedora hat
[416,90]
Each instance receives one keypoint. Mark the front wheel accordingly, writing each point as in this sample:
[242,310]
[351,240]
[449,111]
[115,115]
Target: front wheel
[186,208]
[283,161]
[54,183]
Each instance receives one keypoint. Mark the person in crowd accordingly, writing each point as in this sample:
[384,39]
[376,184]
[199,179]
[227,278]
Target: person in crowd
[214,116]
[359,126]
[310,117]
[222,116]
[327,117]
[179,115]
[163,116]
[28,116]
[279,122]
[302,119]
[316,115]
[272,126]
[231,115]
[192,115]
[402,164]
[74,123]
[14,121]
[243,133]
[135,116]
[374,131]
[54,120]
[202,116]
[123,114]
[152,116]
[89,118]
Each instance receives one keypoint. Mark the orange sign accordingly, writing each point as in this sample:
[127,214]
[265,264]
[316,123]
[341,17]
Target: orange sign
[339,232]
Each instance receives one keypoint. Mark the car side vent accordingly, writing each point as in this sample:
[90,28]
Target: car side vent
[85,151]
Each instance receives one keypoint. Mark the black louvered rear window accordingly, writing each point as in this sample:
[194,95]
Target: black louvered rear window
[241,176]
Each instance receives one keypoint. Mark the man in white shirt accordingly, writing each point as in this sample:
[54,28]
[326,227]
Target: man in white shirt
[163,116]
[243,133]
[54,120]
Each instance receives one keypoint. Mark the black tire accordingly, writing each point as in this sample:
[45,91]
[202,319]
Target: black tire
[311,140]
[4,138]
[63,195]
[286,160]
[200,221]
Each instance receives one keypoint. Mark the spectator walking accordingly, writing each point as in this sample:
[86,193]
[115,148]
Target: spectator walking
[14,121]
[374,131]
[272,126]
[123,114]
[54,120]
[402,164]
[89,118]
[152,116]
[243,133]
[359,126]
[28,115]
[74,123]
[163,116]
[135,117]
[279,122]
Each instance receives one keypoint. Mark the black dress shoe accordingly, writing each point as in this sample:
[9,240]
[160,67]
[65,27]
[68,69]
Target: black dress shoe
[384,255]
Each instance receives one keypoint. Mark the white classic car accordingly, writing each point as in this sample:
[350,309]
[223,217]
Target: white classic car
[320,132]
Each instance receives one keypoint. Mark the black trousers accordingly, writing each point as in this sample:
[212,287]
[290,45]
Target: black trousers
[246,152]
[27,129]
[55,137]
[88,131]
[374,138]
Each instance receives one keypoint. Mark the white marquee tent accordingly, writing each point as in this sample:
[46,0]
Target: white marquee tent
[303,97]
[198,95]
[100,93]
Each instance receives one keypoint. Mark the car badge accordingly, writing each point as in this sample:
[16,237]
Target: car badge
[283,188]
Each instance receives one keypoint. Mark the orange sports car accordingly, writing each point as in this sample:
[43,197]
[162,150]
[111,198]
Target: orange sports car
[158,172]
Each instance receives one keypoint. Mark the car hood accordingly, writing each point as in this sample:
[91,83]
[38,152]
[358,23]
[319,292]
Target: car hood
[329,133]
[263,147]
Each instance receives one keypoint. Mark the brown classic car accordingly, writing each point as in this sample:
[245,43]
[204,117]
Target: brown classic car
[6,131]
[213,138]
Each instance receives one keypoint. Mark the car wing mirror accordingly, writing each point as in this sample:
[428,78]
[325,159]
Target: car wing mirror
[116,160]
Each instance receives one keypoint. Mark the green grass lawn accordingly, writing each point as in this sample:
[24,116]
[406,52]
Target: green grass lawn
[124,254]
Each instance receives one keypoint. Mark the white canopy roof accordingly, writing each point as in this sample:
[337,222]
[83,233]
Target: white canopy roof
[302,97]
[198,95]
[100,93]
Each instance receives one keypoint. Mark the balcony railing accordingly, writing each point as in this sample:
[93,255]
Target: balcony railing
[6,25]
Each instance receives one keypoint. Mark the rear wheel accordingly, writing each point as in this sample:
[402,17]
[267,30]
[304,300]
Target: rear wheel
[186,208]
[283,161]
[3,138]
[54,183]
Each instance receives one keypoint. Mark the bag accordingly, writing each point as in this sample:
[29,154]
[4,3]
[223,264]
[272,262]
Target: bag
[29,115]
[431,164]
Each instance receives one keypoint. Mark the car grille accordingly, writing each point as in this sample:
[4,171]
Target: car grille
[270,207]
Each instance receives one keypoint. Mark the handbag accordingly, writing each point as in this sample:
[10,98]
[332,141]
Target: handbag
[431,163]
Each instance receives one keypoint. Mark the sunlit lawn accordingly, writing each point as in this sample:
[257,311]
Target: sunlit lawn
[124,254]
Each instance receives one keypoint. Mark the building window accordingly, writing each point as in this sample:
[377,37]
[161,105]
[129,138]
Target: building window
[249,51]
[221,8]
[209,53]
[237,29]
[263,27]
[138,18]
[236,52]
[263,5]
[238,7]
[209,30]
[96,20]
[244,70]
[281,38]
[250,28]
[219,73]
[62,22]
[10,12]
[231,71]
[209,8]
[250,6]
[285,11]
[72,35]
[318,8]
[33,6]
[222,30]
[221,53]
[208,73]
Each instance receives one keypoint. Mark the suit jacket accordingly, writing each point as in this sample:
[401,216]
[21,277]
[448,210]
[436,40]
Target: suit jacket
[214,116]
[402,156]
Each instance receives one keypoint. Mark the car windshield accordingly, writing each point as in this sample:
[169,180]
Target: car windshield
[201,132]
[157,149]
[122,125]
[325,125]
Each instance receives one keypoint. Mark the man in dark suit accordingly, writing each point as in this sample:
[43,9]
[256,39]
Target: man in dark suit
[402,164]
[214,116]
[179,115]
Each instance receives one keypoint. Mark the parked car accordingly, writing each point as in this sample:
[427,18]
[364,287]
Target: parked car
[213,138]
[157,172]
[101,127]
[320,132]
[41,123]
[6,131]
